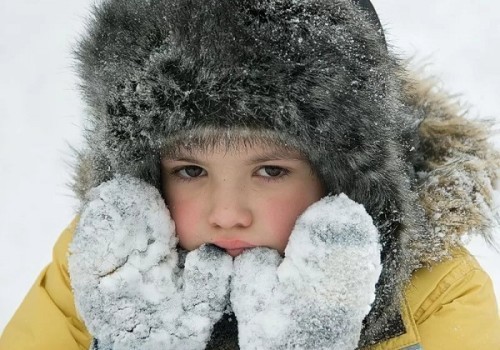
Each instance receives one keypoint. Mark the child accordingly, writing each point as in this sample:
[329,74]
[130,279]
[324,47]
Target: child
[318,191]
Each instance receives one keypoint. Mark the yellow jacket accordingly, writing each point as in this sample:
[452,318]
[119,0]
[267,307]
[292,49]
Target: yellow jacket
[451,306]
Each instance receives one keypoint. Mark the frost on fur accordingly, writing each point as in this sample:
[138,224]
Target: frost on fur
[124,271]
[318,295]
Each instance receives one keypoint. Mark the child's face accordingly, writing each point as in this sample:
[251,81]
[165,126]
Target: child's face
[239,198]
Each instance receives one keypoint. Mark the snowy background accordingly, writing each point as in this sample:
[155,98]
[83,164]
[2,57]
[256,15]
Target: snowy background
[41,113]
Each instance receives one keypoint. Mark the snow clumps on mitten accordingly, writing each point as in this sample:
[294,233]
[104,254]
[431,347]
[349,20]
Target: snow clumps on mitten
[128,285]
[318,295]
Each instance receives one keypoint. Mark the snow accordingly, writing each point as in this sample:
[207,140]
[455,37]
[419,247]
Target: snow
[41,111]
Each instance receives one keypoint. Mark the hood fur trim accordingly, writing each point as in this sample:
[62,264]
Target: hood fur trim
[457,170]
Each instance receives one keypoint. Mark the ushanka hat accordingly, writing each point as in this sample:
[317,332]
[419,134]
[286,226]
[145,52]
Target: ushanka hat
[314,75]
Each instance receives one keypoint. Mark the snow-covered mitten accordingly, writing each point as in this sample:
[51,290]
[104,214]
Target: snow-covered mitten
[129,286]
[318,295]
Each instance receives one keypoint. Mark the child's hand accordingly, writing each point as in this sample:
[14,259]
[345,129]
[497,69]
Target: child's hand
[124,270]
[318,295]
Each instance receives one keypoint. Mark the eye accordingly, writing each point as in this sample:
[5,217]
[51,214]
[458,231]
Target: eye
[190,171]
[272,171]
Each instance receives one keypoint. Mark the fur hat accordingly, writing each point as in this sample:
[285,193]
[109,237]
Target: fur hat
[314,75]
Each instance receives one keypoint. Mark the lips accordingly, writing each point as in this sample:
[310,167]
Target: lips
[234,247]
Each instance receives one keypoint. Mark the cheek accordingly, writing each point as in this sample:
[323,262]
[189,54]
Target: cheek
[281,214]
[186,215]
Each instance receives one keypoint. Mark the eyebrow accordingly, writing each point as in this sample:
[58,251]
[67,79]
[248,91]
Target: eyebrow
[276,155]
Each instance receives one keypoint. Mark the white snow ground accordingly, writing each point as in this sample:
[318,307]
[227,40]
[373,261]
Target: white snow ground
[41,112]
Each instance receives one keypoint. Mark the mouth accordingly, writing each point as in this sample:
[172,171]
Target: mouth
[234,247]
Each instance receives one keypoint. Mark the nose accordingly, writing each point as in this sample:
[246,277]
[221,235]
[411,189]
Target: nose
[229,208]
